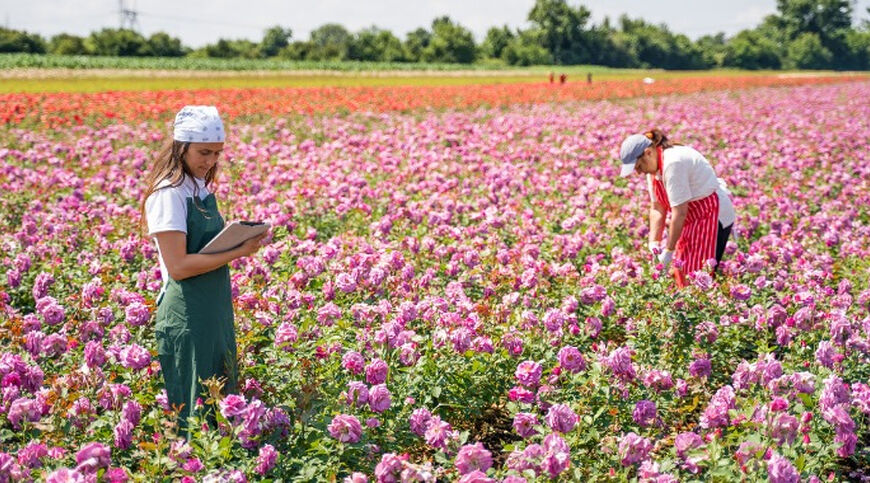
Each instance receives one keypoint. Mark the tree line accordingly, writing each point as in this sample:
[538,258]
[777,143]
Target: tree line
[802,34]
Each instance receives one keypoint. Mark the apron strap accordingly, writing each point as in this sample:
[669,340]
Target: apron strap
[661,153]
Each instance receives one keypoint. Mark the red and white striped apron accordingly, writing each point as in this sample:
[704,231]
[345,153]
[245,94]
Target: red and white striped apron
[697,242]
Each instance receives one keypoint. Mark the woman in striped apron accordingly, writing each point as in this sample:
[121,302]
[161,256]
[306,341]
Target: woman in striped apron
[680,182]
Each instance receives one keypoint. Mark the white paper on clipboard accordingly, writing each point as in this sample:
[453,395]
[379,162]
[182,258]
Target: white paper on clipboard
[233,235]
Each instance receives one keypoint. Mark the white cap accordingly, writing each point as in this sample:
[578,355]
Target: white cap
[198,124]
[631,148]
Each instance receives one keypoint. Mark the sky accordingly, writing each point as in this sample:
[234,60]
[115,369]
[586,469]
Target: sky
[200,23]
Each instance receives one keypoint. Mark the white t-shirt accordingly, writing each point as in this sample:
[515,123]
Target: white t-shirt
[166,210]
[689,177]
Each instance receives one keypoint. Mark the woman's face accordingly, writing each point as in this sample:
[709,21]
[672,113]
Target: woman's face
[201,157]
[647,163]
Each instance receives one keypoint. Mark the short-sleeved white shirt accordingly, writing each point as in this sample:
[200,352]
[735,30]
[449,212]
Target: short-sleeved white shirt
[688,176]
[166,210]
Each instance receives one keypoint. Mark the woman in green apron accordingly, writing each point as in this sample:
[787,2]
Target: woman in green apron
[194,330]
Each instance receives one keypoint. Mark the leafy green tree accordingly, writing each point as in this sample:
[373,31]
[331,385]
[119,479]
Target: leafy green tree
[374,44]
[829,20]
[415,42]
[525,49]
[391,47]
[613,47]
[229,49]
[858,43]
[751,50]
[562,30]
[161,44]
[686,54]
[117,42]
[807,52]
[656,46]
[497,38]
[21,41]
[450,43]
[329,42]
[821,17]
[274,39]
[297,50]
[67,44]
[713,48]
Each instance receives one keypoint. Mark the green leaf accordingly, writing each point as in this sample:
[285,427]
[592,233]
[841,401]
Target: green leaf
[801,462]
[225,445]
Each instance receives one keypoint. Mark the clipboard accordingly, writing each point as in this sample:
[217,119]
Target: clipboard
[233,235]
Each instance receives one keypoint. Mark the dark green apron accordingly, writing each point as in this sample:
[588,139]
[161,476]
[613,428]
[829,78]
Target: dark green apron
[195,335]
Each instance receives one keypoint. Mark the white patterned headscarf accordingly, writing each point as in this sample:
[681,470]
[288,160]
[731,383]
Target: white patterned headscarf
[198,124]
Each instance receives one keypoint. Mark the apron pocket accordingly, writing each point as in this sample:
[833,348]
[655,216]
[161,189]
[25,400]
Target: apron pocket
[171,337]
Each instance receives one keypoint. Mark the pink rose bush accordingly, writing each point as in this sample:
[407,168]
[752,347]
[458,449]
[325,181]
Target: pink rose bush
[459,295]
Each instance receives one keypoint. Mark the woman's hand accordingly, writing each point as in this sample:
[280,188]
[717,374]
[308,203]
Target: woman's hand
[182,265]
[665,258]
[251,245]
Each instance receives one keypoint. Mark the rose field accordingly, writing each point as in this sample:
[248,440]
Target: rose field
[457,288]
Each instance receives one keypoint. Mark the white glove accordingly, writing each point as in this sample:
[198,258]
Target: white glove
[654,247]
[665,257]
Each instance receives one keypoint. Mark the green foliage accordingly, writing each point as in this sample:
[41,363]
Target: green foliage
[229,49]
[807,52]
[616,49]
[66,44]
[749,50]
[376,45]
[858,45]
[450,42]
[524,49]
[415,42]
[161,44]
[497,39]
[821,17]
[562,30]
[283,62]
[713,49]
[274,40]
[20,41]
[117,42]
[655,45]
[297,50]
[329,42]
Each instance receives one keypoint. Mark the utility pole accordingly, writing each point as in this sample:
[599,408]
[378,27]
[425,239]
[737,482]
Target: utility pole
[128,15]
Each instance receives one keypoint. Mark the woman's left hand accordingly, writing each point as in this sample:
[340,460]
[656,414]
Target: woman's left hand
[666,257]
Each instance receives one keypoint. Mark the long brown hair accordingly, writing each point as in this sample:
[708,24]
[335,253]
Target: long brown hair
[658,138]
[171,165]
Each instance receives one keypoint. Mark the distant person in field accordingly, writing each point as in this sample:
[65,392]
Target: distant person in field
[563,78]
[196,338]
[681,182]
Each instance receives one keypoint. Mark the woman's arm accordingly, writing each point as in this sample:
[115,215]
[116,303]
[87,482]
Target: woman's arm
[181,265]
[678,218]
[656,222]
